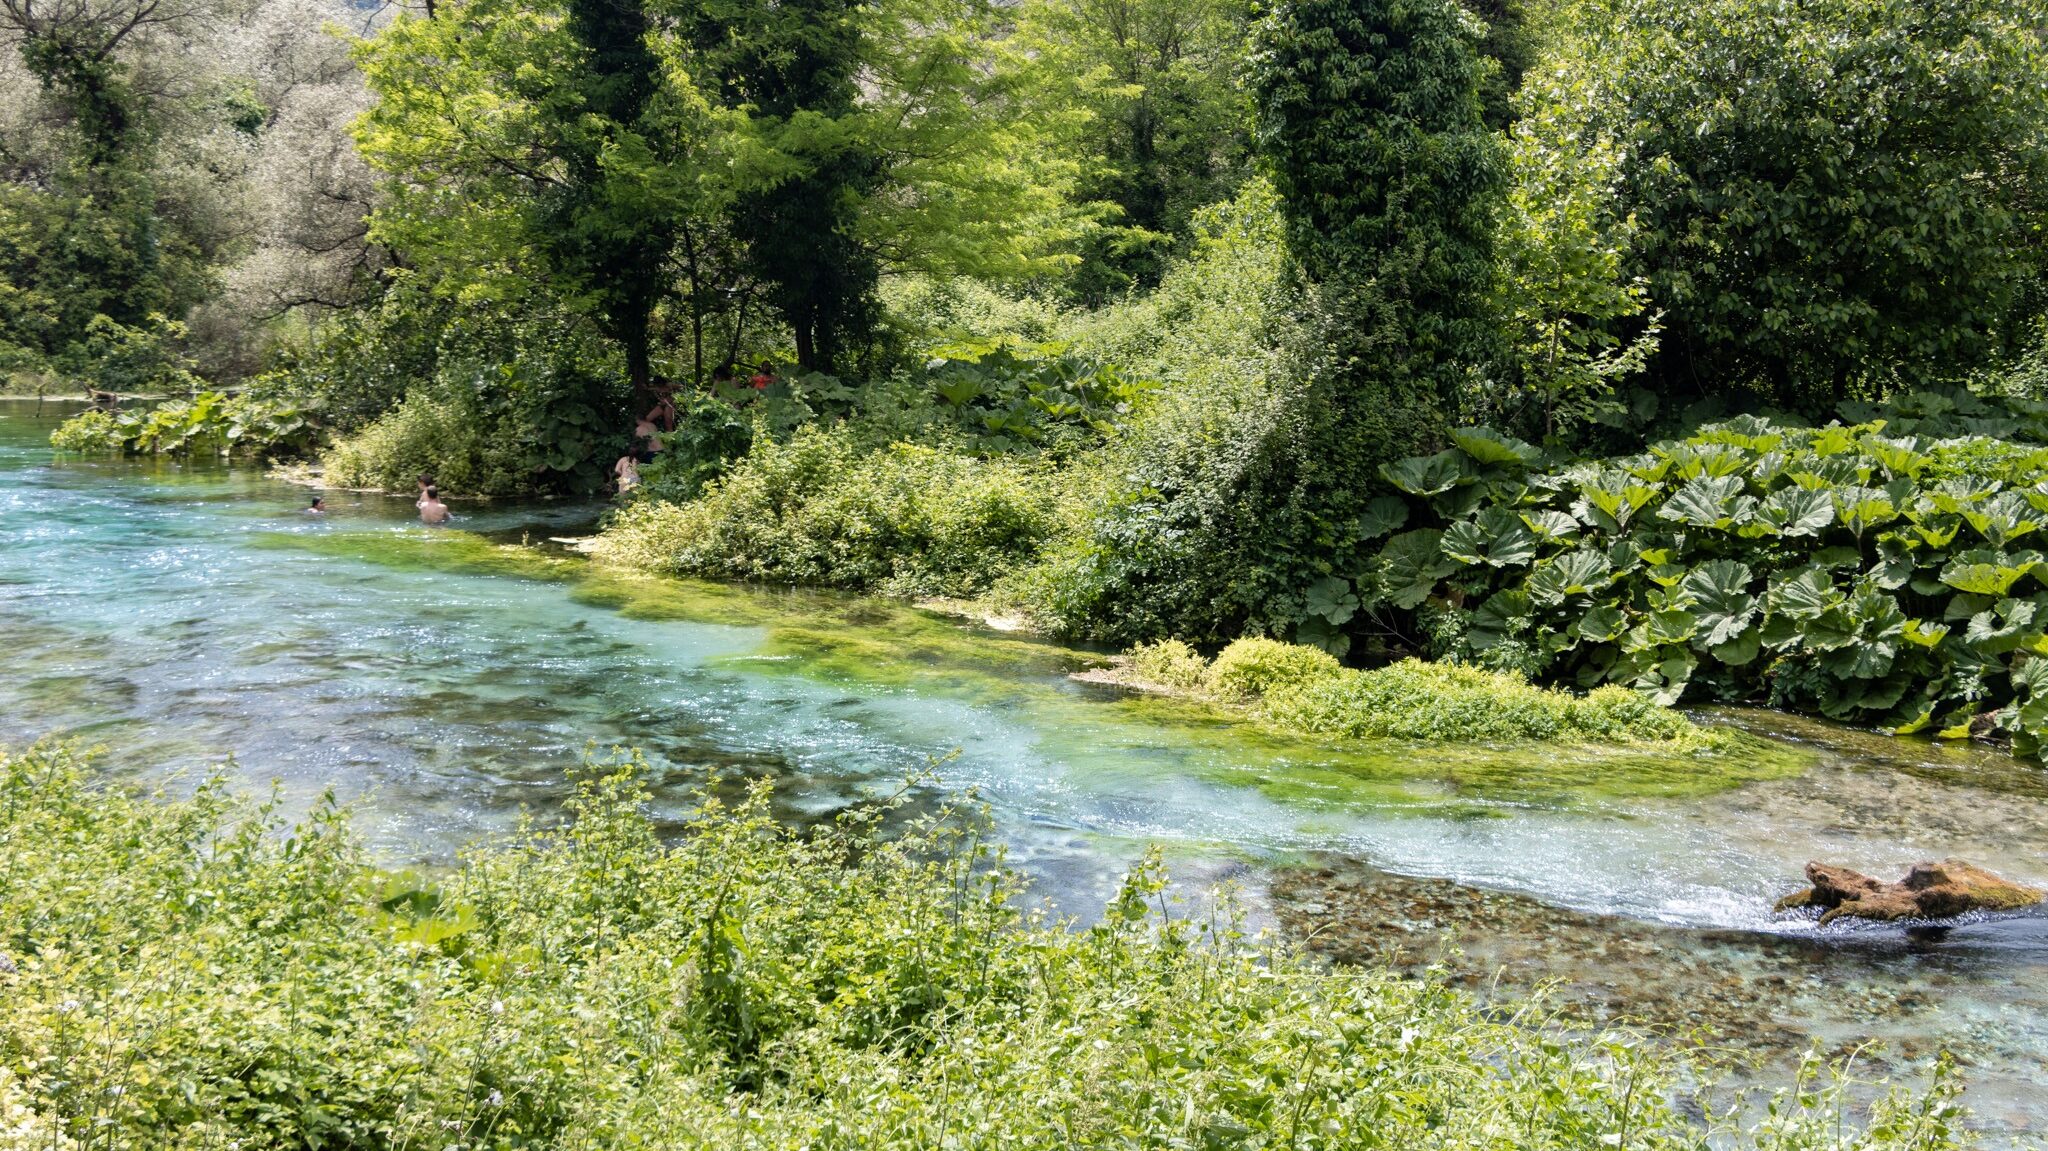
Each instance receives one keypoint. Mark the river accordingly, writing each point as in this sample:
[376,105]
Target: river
[442,681]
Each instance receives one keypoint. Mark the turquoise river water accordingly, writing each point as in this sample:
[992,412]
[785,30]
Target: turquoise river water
[444,680]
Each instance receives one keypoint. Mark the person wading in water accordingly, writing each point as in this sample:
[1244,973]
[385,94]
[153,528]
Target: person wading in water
[432,510]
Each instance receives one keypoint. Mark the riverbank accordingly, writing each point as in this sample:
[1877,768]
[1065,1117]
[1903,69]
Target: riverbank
[738,985]
[445,683]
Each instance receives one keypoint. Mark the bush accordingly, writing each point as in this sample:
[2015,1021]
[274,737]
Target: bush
[1871,572]
[424,435]
[1448,703]
[490,401]
[1830,199]
[209,424]
[188,973]
[1255,666]
[821,509]
[1169,663]
[1174,529]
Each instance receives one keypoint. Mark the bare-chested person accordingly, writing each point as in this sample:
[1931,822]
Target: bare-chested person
[432,510]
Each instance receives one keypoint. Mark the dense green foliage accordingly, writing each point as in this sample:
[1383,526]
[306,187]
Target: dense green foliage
[824,509]
[1253,667]
[86,250]
[1878,572]
[208,424]
[1369,112]
[489,402]
[1158,114]
[1831,199]
[1421,701]
[187,973]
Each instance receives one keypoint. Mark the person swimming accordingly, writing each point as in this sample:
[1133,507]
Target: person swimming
[318,507]
[432,510]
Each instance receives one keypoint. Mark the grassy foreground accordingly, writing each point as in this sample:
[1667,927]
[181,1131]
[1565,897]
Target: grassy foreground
[185,973]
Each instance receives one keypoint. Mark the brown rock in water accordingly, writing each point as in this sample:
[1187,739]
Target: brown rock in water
[1929,891]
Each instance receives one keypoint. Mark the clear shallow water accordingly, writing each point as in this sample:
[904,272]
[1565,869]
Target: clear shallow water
[443,681]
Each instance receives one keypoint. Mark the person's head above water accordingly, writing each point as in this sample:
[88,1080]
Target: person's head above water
[319,504]
[432,492]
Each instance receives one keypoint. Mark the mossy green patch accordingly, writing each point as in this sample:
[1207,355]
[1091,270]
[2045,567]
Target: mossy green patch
[1104,737]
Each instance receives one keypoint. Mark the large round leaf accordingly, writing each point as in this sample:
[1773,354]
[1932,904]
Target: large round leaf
[1721,603]
[1497,538]
[1408,568]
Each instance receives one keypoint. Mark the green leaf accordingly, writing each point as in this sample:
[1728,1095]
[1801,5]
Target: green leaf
[2005,628]
[1722,605]
[2003,518]
[1382,514]
[1611,499]
[1428,475]
[1986,572]
[1796,511]
[1667,627]
[1332,600]
[1504,615]
[1709,502]
[1552,526]
[1490,447]
[1572,573]
[1601,624]
[1741,650]
[1861,508]
[1316,632]
[1408,568]
[1802,595]
[1497,538]
[1924,634]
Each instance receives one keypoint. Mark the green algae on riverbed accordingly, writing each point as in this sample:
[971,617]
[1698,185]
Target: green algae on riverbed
[880,645]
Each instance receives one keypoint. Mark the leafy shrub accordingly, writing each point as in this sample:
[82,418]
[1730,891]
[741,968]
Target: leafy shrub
[94,432]
[146,359]
[1254,666]
[1170,663]
[188,973]
[1446,702]
[209,424]
[1870,576]
[821,509]
[490,401]
[426,435]
[1182,526]
[1000,399]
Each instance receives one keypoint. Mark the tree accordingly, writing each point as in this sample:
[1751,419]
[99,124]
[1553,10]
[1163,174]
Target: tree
[1567,298]
[1833,198]
[1157,120]
[81,231]
[792,68]
[871,138]
[538,151]
[1370,119]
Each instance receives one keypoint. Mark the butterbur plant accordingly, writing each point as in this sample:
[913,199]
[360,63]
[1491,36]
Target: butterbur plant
[1881,572]
[208,424]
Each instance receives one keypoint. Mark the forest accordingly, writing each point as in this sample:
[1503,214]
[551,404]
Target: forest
[1472,374]
[1488,335]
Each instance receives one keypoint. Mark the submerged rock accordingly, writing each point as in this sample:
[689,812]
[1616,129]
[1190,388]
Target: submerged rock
[1930,891]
